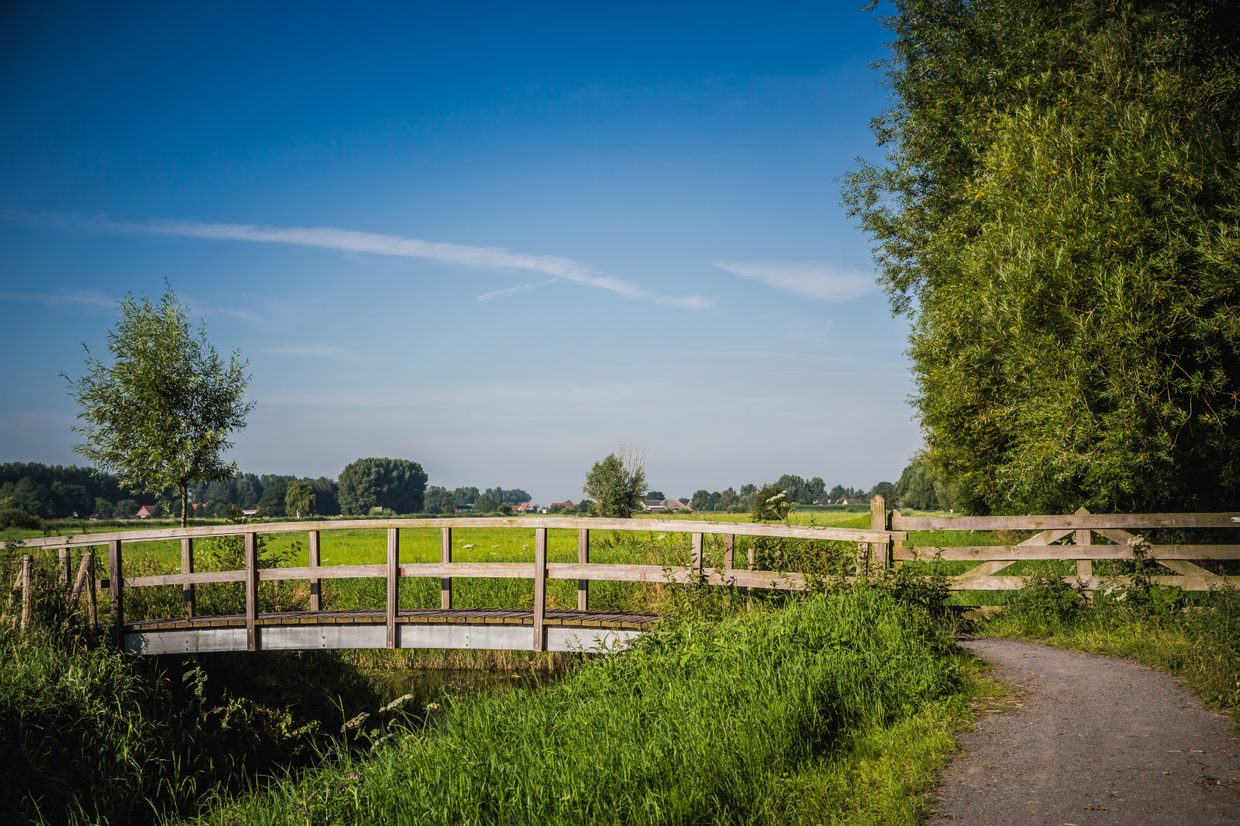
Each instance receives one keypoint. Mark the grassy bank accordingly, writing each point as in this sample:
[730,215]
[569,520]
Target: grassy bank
[705,721]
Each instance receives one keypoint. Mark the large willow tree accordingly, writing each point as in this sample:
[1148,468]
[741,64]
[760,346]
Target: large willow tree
[1059,216]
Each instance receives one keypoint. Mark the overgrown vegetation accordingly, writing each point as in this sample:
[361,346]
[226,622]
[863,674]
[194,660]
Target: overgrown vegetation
[701,720]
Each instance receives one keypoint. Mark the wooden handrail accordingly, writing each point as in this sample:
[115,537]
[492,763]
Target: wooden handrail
[466,523]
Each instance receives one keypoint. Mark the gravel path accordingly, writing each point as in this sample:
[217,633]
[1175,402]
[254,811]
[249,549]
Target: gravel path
[1090,740]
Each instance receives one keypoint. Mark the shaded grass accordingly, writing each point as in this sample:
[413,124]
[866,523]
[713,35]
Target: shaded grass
[696,723]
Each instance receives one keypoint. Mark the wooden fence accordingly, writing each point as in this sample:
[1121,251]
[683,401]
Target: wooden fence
[891,538]
[1074,537]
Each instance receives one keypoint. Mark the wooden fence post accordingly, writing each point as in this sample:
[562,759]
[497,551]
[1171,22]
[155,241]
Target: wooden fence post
[393,583]
[251,591]
[316,585]
[79,582]
[187,567]
[540,587]
[445,556]
[66,575]
[27,591]
[1084,567]
[729,551]
[583,558]
[116,590]
[92,602]
[875,560]
[699,563]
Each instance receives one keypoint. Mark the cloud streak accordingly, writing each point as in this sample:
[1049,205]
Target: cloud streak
[821,282]
[347,240]
[524,288]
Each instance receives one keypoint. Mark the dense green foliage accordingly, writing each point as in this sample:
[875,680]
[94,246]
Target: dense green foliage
[91,735]
[1059,213]
[160,414]
[698,723]
[395,485]
[615,483]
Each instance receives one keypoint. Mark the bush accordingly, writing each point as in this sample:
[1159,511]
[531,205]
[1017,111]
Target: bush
[12,518]
[1046,604]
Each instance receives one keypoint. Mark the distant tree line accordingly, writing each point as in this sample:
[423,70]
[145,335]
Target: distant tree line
[799,491]
[443,500]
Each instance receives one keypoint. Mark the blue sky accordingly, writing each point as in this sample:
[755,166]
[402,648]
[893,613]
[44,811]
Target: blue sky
[498,239]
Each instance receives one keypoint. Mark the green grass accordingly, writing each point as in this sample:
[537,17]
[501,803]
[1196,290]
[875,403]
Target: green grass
[698,723]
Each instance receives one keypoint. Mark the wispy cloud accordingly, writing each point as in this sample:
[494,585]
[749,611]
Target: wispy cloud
[77,298]
[348,240]
[524,288]
[823,282]
[311,350]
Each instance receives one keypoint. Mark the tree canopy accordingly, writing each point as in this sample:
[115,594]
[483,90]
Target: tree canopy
[1059,215]
[616,483]
[397,485]
[160,414]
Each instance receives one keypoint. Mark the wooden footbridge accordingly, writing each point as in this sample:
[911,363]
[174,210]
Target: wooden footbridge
[1082,537]
[392,626]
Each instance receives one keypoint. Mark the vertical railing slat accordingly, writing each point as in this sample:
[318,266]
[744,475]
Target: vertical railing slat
[316,584]
[540,587]
[251,591]
[445,555]
[393,582]
[187,567]
[583,558]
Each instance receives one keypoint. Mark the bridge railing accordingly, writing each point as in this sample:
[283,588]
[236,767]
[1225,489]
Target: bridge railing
[873,549]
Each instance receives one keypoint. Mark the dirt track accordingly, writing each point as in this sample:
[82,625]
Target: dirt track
[1091,740]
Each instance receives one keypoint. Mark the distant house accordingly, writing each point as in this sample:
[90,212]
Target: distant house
[248,512]
[666,506]
[462,508]
[145,512]
[522,507]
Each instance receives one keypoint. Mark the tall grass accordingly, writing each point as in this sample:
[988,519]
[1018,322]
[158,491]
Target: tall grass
[695,724]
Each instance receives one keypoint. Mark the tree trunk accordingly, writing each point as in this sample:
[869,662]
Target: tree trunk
[184,505]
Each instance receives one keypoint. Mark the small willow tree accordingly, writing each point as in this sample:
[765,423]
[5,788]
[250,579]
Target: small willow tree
[160,414]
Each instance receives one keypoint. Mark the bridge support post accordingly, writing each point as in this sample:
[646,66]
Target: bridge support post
[187,567]
[540,588]
[393,583]
[116,590]
[583,558]
[251,591]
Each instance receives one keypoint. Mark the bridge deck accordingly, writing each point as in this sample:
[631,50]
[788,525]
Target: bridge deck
[486,628]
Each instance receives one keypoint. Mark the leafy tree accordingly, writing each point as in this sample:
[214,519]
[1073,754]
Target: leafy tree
[275,489]
[326,503]
[654,494]
[298,498]
[771,504]
[1058,216]
[699,499]
[615,483]
[27,496]
[921,486]
[126,509]
[485,504]
[104,509]
[161,413]
[437,500]
[884,489]
[397,485]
